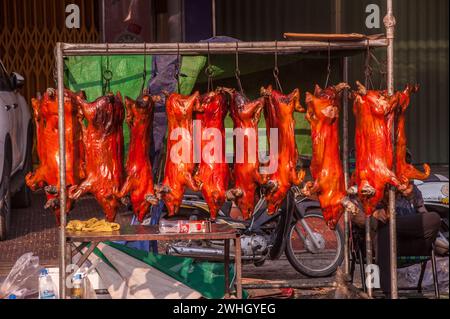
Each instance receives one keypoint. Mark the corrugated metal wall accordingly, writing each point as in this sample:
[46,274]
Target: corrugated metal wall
[421,51]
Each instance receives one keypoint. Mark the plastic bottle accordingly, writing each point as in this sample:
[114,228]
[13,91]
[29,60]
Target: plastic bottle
[46,286]
[77,291]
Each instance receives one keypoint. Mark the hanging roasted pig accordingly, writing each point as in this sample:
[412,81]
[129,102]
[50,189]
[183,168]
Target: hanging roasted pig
[326,167]
[373,112]
[404,170]
[139,181]
[179,158]
[45,111]
[247,178]
[103,140]
[278,113]
[213,173]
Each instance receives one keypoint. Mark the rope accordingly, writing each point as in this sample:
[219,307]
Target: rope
[328,65]
[276,71]
[237,72]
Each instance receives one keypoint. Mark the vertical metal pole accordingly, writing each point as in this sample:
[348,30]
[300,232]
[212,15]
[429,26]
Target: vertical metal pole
[369,255]
[345,164]
[338,29]
[62,171]
[389,23]
[213,16]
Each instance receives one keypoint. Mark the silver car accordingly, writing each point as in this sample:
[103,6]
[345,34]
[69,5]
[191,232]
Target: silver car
[16,142]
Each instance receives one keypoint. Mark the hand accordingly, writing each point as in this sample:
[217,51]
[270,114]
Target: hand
[381,215]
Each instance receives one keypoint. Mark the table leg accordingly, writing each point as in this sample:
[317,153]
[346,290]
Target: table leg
[238,266]
[86,255]
[227,267]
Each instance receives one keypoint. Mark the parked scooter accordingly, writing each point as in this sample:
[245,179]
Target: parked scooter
[297,229]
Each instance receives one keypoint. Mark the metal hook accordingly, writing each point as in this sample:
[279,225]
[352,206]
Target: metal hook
[368,69]
[328,65]
[178,66]
[237,72]
[107,73]
[144,73]
[276,71]
[209,72]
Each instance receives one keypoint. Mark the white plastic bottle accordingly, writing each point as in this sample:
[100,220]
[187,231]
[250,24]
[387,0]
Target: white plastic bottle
[46,286]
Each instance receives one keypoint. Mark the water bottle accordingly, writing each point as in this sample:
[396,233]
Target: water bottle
[46,286]
[77,291]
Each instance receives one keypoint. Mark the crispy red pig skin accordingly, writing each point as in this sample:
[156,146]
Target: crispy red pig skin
[45,111]
[326,167]
[373,112]
[278,113]
[213,175]
[103,140]
[245,115]
[178,172]
[139,177]
[404,170]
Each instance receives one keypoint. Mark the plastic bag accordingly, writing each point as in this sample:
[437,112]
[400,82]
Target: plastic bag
[23,277]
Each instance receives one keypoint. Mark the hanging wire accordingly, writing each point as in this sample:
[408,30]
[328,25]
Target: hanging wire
[382,70]
[237,72]
[328,65]
[276,71]
[144,73]
[368,82]
[209,72]
[107,74]
[178,67]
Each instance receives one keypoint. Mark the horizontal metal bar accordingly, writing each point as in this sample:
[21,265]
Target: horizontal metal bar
[72,49]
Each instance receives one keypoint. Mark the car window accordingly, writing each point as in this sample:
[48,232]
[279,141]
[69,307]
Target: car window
[5,84]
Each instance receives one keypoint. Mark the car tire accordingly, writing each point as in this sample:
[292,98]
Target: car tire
[22,198]
[5,198]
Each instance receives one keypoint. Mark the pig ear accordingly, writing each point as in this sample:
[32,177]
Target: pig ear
[129,102]
[295,98]
[266,92]
[309,98]
[361,88]
[119,96]
[317,90]
[81,94]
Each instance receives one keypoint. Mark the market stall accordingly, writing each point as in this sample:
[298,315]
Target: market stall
[346,45]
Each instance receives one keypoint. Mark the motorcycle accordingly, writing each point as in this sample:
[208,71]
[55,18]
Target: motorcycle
[297,229]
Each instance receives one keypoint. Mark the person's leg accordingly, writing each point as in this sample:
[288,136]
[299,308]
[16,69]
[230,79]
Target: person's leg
[383,256]
[415,234]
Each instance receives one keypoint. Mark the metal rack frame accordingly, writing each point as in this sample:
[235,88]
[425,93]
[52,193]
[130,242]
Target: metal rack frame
[71,49]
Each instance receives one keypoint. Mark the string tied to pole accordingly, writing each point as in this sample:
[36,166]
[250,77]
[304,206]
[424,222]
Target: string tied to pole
[328,65]
[107,74]
[276,71]
[237,72]
[209,72]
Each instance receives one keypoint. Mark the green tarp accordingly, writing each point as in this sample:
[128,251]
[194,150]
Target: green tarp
[86,73]
[205,277]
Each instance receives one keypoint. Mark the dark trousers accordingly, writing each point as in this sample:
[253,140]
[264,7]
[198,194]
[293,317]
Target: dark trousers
[415,236]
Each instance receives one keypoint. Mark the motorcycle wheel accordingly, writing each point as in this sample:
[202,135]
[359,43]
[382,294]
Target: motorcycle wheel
[308,259]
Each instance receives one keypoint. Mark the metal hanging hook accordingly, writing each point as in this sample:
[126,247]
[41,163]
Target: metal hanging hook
[209,72]
[237,72]
[328,65]
[368,69]
[144,73]
[107,73]
[276,71]
[178,68]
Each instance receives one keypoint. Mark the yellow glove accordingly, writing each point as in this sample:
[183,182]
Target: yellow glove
[92,225]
